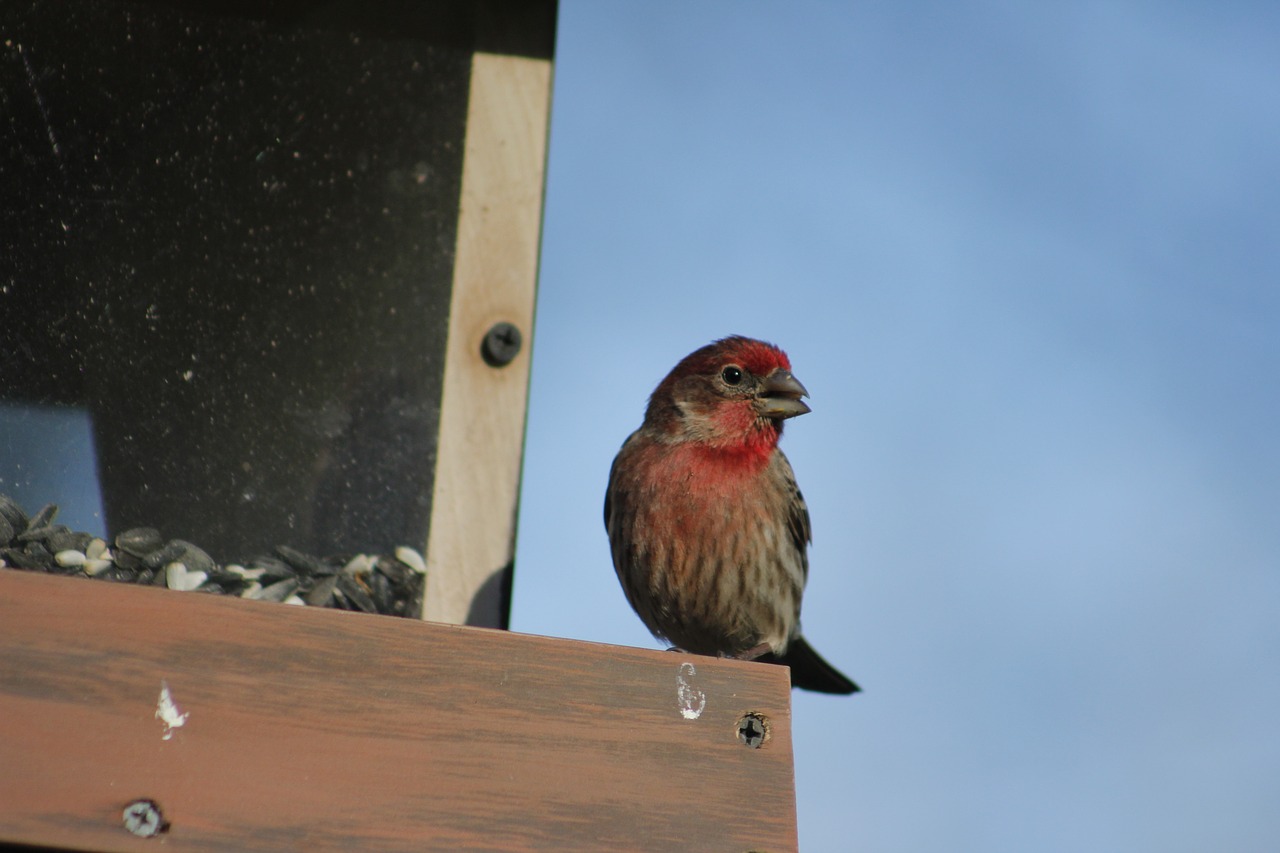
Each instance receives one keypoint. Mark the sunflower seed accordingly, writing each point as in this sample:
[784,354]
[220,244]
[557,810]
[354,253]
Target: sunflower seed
[66,559]
[12,513]
[139,541]
[44,517]
[412,559]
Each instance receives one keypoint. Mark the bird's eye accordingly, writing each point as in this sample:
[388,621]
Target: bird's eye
[731,375]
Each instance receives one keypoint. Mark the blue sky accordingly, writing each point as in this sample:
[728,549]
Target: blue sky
[1025,259]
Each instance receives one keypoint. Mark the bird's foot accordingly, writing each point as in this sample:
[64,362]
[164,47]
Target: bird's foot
[753,653]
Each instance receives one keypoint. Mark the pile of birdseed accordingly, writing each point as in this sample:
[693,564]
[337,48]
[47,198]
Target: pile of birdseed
[391,585]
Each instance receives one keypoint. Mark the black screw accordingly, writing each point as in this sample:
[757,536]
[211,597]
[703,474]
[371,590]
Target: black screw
[501,345]
[753,729]
[144,818]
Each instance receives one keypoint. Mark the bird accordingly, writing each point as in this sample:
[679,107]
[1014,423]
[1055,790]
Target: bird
[707,528]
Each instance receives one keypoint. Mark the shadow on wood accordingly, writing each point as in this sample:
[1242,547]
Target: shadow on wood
[257,726]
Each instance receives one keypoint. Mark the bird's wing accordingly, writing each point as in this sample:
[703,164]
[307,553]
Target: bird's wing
[797,513]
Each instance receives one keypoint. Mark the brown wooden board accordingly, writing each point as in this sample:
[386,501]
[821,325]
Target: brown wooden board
[325,730]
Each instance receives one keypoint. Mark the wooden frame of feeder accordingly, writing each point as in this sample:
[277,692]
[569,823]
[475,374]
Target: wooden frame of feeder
[258,726]
[495,276]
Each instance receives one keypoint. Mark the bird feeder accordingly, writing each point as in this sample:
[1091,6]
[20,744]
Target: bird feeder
[284,255]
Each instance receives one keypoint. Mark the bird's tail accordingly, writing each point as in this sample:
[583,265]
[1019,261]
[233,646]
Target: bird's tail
[810,672]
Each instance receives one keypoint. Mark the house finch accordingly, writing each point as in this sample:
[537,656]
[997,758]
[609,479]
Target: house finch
[707,527]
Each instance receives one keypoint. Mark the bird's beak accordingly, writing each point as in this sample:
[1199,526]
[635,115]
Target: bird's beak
[780,395]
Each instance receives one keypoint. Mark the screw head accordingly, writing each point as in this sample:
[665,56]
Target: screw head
[501,344]
[144,818]
[753,729]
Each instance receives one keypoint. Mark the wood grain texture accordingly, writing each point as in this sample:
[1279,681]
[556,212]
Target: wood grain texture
[477,481]
[324,730]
